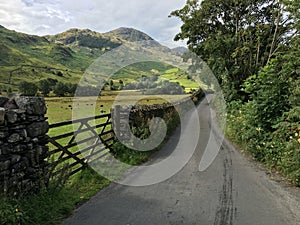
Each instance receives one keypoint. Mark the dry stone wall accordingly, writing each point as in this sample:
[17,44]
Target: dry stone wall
[141,115]
[23,144]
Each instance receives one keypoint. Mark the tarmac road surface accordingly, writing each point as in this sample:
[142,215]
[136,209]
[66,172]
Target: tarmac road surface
[232,191]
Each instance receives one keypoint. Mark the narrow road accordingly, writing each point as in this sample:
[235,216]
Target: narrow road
[232,191]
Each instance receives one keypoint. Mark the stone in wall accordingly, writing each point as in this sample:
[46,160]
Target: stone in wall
[23,144]
[32,106]
[2,116]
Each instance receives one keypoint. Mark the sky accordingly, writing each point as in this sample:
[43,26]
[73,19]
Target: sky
[42,17]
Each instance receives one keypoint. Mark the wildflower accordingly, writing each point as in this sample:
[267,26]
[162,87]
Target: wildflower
[17,210]
[299,140]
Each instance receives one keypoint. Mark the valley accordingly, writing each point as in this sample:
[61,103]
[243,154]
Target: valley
[63,59]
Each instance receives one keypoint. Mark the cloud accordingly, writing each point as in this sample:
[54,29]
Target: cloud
[53,16]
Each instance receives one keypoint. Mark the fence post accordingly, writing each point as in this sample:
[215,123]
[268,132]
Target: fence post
[116,119]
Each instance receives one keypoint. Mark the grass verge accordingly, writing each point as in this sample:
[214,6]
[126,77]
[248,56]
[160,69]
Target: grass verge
[52,205]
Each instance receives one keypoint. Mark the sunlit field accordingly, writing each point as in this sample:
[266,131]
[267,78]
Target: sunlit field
[60,108]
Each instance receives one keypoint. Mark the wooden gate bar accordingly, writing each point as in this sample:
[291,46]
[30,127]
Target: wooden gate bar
[67,155]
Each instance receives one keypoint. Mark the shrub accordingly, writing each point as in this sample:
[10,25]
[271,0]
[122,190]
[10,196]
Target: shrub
[28,88]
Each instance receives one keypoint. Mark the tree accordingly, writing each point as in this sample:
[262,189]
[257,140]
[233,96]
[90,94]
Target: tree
[111,85]
[121,84]
[269,94]
[64,89]
[70,88]
[28,88]
[60,89]
[9,90]
[291,58]
[60,74]
[235,37]
[45,87]
[52,82]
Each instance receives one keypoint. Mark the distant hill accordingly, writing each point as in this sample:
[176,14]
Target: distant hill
[86,42]
[127,34]
[179,50]
[63,56]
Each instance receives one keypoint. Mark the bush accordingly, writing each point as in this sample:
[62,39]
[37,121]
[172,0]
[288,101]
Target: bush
[64,89]
[278,148]
[11,214]
[28,88]
[45,87]
[60,74]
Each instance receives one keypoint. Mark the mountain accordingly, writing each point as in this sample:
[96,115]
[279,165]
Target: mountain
[128,34]
[179,50]
[63,56]
[87,42]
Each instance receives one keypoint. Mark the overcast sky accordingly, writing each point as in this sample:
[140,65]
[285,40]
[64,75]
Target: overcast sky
[43,17]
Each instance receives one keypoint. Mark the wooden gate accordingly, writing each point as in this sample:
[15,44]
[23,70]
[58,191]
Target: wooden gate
[74,144]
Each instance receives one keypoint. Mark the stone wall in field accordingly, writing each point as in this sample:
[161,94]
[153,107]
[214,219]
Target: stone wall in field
[23,144]
[141,115]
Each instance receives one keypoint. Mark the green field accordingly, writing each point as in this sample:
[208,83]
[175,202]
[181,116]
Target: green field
[175,75]
[60,109]
[63,109]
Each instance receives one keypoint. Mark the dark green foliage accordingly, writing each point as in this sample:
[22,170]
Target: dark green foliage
[51,82]
[60,74]
[28,88]
[278,147]
[268,125]
[235,38]
[59,89]
[111,85]
[68,89]
[64,89]
[45,86]
[121,84]
[269,94]
[11,214]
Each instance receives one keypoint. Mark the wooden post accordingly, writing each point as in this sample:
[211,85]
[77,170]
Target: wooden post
[116,120]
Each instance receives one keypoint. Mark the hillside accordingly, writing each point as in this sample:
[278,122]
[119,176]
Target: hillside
[179,50]
[65,56]
[29,58]
[127,34]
